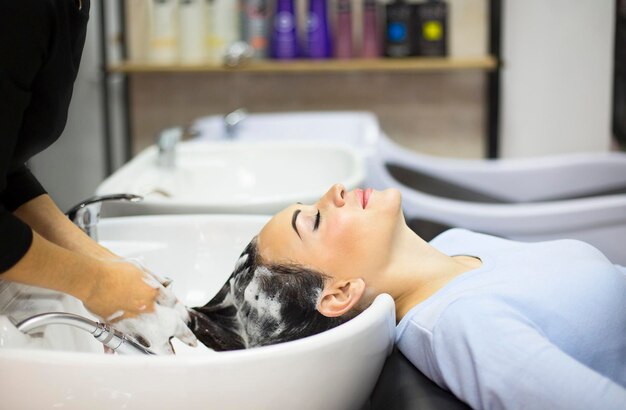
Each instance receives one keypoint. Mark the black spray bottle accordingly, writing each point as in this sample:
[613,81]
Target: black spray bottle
[398,29]
[430,28]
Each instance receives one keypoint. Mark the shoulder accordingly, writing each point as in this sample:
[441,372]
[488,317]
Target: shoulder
[27,22]
[470,317]
[36,17]
[479,319]
[28,10]
[476,330]
[26,34]
[465,334]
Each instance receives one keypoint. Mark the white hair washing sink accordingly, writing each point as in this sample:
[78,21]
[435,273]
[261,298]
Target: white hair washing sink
[243,178]
[334,369]
[577,196]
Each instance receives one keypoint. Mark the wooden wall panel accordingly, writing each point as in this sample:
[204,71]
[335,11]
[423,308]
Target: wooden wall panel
[436,113]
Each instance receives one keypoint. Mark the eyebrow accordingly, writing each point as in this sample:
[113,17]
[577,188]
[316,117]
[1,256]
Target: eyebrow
[293,221]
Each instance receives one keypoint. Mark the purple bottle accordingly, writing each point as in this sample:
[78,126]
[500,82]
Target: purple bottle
[284,43]
[318,34]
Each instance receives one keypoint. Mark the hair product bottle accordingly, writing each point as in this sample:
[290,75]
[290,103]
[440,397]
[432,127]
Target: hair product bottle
[192,28]
[223,27]
[284,43]
[318,44]
[371,34]
[429,33]
[398,29]
[254,26]
[343,37]
[163,44]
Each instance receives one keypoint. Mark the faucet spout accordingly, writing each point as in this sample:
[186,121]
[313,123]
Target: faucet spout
[233,120]
[87,213]
[104,333]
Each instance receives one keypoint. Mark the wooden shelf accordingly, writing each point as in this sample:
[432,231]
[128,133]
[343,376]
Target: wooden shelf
[313,66]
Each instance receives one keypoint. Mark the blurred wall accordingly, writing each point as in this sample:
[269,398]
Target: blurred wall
[436,113]
[557,76]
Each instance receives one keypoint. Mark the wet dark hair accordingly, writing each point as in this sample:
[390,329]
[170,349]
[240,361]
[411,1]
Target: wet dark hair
[263,304]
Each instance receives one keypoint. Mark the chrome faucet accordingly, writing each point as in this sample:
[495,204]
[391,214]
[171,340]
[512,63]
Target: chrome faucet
[238,54]
[167,141]
[111,338]
[232,121]
[87,213]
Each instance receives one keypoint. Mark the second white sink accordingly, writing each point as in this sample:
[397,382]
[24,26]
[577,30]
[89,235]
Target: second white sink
[248,177]
[355,129]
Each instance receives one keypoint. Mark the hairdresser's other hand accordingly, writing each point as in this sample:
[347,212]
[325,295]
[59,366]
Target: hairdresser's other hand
[155,330]
[121,290]
[148,309]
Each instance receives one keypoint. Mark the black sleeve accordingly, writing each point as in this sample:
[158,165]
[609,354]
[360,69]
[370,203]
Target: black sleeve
[22,186]
[15,239]
[15,236]
[23,50]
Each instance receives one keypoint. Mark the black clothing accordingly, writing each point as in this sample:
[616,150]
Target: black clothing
[41,43]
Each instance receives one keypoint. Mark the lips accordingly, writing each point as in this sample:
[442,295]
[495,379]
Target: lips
[366,196]
[363,196]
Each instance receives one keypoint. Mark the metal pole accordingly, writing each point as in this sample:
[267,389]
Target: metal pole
[493,79]
[106,113]
[126,127]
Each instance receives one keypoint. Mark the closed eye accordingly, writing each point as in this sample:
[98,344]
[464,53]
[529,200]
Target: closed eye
[318,217]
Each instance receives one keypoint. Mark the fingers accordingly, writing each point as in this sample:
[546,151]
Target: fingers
[166,348]
[165,318]
[162,280]
[156,329]
[115,316]
[166,297]
[185,335]
[150,278]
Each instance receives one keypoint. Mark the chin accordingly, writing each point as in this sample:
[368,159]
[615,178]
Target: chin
[393,198]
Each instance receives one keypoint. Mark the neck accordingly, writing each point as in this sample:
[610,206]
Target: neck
[418,270]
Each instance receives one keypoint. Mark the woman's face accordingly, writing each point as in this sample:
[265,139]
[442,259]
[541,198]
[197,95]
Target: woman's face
[344,235]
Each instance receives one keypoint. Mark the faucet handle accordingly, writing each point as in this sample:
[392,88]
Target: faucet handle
[167,140]
[238,54]
[86,214]
[232,121]
[169,137]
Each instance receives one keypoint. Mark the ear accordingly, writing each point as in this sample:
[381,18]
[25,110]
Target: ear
[339,297]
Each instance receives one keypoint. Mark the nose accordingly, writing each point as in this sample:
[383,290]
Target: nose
[335,196]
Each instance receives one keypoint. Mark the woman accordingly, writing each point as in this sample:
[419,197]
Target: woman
[41,43]
[499,323]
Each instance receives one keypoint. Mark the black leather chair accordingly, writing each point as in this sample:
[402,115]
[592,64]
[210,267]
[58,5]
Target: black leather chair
[402,387]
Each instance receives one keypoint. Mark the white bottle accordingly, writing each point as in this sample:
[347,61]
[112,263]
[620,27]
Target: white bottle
[163,45]
[223,27]
[192,31]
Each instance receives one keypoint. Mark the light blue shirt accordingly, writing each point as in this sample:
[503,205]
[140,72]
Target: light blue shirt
[537,326]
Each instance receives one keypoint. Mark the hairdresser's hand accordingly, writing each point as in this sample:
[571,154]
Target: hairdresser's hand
[121,290]
[147,310]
